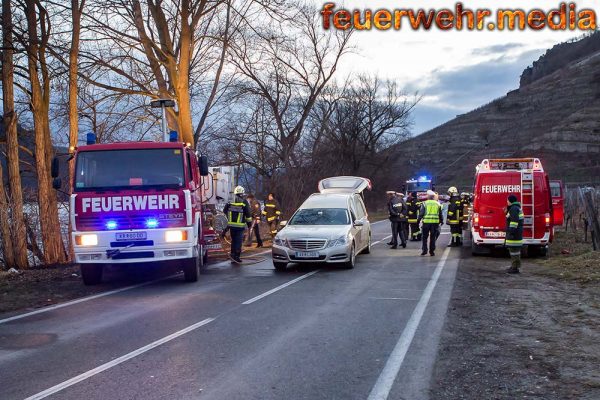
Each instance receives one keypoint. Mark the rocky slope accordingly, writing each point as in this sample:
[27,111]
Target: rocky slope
[556,118]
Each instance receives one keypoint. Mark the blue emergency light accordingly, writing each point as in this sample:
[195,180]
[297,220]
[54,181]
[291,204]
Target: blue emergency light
[151,223]
[111,225]
[423,178]
[90,138]
[173,136]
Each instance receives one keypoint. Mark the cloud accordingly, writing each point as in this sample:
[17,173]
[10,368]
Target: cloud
[455,91]
[496,49]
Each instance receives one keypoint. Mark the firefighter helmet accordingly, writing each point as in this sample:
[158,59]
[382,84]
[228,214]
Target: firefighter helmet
[452,190]
[239,190]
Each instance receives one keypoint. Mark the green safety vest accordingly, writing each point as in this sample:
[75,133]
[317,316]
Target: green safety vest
[432,212]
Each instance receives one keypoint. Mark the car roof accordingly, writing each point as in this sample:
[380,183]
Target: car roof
[327,200]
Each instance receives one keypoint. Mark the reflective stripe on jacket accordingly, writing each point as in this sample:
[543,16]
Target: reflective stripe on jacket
[431,212]
[413,206]
[271,210]
[454,211]
[514,225]
[238,213]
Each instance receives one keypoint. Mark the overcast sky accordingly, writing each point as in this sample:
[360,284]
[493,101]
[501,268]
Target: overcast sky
[453,71]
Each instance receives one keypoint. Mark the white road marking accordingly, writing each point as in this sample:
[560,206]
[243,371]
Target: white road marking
[81,300]
[117,361]
[108,293]
[278,288]
[392,298]
[379,241]
[388,375]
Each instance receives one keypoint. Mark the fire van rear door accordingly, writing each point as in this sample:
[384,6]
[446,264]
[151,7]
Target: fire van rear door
[493,190]
[558,202]
[344,184]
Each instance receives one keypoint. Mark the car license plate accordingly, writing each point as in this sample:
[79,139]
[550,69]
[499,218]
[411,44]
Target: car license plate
[307,254]
[124,236]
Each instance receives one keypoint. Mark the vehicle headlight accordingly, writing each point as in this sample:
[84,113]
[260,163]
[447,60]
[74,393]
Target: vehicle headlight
[90,239]
[279,241]
[341,241]
[175,236]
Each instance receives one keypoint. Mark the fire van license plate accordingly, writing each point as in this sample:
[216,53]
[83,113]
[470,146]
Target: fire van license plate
[495,234]
[124,236]
[307,254]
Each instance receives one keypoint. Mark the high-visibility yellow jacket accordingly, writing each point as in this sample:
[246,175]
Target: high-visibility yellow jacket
[431,212]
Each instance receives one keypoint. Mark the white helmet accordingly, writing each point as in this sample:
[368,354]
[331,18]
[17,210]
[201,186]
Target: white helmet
[239,190]
[452,190]
[430,193]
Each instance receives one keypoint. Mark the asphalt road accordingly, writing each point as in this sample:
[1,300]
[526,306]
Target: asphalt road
[243,333]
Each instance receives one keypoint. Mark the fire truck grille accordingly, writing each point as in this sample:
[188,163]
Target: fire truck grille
[307,244]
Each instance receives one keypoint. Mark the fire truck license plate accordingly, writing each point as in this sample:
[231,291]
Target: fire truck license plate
[124,236]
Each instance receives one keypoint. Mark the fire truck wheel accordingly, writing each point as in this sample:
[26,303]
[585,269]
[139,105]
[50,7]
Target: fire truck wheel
[91,273]
[205,259]
[191,268]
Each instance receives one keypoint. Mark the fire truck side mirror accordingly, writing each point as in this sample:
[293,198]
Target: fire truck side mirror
[54,168]
[56,183]
[203,165]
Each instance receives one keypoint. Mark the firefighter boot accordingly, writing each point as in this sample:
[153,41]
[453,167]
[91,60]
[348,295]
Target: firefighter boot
[515,263]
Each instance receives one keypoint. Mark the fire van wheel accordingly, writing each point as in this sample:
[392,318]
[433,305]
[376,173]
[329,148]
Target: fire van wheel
[91,273]
[205,258]
[191,268]
[478,250]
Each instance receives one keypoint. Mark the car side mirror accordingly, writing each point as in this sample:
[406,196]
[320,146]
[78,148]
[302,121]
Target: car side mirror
[203,165]
[56,183]
[283,223]
[54,168]
[358,223]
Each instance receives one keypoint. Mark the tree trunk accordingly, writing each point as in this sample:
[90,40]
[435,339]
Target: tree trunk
[5,235]
[76,10]
[48,210]
[19,240]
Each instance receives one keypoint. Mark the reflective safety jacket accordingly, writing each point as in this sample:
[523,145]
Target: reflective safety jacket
[397,209]
[455,209]
[431,212]
[238,213]
[413,206]
[465,203]
[271,210]
[514,225]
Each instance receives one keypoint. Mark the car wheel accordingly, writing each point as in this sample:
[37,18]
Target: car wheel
[367,250]
[280,266]
[350,264]
[91,273]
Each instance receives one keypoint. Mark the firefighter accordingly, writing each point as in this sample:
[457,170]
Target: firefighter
[390,195]
[238,217]
[404,218]
[256,216]
[397,212]
[272,214]
[413,205]
[465,200]
[430,214]
[514,233]
[454,217]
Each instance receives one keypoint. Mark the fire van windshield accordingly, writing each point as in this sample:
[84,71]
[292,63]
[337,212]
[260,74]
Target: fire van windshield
[129,169]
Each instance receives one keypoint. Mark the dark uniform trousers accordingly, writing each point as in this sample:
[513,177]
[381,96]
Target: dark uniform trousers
[237,238]
[398,231]
[432,232]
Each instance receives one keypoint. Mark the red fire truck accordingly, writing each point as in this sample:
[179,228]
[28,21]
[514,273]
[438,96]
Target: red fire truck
[495,179]
[135,203]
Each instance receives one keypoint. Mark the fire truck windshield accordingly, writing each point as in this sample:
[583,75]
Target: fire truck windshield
[129,169]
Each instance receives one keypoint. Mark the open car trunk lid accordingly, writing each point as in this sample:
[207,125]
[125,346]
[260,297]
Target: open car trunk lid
[344,184]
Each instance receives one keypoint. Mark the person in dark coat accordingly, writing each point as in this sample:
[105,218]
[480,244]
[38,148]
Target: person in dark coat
[256,217]
[398,217]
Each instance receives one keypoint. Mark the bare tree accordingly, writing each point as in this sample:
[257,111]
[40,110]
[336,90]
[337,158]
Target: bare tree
[34,38]
[18,239]
[360,120]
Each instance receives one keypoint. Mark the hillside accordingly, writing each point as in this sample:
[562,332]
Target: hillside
[556,117]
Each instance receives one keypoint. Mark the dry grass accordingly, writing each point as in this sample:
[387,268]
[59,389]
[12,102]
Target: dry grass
[582,264]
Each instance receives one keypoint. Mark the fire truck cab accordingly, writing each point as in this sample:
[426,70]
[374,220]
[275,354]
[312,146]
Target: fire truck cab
[495,179]
[420,185]
[136,203]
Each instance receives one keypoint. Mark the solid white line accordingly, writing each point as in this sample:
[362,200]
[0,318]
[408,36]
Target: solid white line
[379,241]
[117,361]
[278,288]
[81,300]
[110,292]
[386,379]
